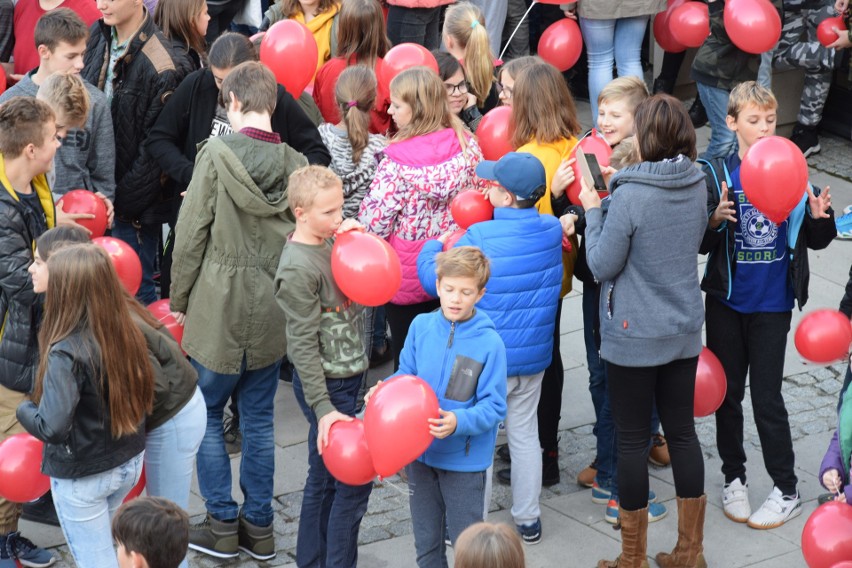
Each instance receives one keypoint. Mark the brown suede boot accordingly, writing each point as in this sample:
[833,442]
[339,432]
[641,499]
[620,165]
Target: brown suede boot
[688,552]
[634,541]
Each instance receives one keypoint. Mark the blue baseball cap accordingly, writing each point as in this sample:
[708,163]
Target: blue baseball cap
[518,172]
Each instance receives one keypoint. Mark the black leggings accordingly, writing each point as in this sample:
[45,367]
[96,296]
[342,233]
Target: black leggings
[631,392]
[399,320]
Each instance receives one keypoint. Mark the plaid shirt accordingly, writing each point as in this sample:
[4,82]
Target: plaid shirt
[7,29]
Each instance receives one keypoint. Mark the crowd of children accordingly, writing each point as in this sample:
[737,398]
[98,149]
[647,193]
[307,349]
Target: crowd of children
[256,184]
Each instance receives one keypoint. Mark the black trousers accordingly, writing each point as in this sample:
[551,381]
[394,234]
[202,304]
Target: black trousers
[632,391]
[550,403]
[753,345]
[399,320]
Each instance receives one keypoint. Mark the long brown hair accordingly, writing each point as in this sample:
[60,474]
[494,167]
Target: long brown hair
[422,89]
[292,7]
[465,23]
[542,106]
[84,295]
[361,32]
[356,96]
[177,20]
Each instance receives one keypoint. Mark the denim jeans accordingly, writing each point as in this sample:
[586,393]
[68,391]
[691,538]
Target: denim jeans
[611,41]
[145,241]
[442,502]
[85,507]
[597,371]
[522,397]
[331,511]
[256,390]
[415,25]
[722,140]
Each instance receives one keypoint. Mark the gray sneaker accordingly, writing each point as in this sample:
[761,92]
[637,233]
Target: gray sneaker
[214,537]
[256,541]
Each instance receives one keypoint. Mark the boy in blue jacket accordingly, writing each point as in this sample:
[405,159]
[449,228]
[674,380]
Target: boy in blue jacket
[756,271]
[459,353]
[525,250]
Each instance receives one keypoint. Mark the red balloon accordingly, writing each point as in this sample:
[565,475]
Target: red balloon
[710,384]
[21,479]
[469,207]
[454,238]
[663,36]
[753,25]
[561,44]
[689,24]
[290,51]
[845,564]
[347,456]
[160,310]
[591,144]
[827,536]
[774,176]
[137,489]
[396,422]
[365,268]
[494,133]
[125,260]
[404,56]
[2,80]
[83,201]
[824,336]
[825,30]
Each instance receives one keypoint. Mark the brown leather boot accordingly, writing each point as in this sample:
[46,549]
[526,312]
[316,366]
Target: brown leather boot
[634,541]
[688,552]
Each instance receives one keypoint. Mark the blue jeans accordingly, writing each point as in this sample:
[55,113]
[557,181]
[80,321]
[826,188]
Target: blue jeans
[597,370]
[331,511]
[415,25]
[256,393]
[616,41]
[85,507]
[723,141]
[442,502]
[145,241]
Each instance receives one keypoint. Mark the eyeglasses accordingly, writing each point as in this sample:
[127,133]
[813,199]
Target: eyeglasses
[460,89]
[501,88]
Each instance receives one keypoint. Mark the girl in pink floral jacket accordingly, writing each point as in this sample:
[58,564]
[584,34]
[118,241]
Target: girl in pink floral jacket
[430,160]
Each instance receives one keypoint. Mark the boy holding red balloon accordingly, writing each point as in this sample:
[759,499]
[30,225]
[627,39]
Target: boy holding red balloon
[756,270]
[325,346]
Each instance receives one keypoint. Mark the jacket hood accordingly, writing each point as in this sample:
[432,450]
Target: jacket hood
[262,193]
[677,174]
[419,155]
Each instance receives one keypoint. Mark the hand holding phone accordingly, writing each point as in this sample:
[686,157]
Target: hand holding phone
[590,170]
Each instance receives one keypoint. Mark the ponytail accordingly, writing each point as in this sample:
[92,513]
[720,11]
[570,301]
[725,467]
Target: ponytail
[465,23]
[356,96]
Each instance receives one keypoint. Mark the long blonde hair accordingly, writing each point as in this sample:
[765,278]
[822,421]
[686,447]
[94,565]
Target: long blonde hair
[85,295]
[356,96]
[542,106]
[465,23]
[422,89]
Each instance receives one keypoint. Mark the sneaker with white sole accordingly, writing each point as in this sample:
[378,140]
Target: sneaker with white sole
[656,511]
[735,501]
[776,510]
[601,495]
[844,226]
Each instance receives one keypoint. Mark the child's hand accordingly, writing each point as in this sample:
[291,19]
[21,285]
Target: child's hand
[349,225]
[324,426]
[563,178]
[63,218]
[607,172]
[568,221]
[724,211]
[840,6]
[180,317]
[831,481]
[443,426]
[572,12]
[819,205]
[588,196]
[842,41]
[109,208]
[370,393]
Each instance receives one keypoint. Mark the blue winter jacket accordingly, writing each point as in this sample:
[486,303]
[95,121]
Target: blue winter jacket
[522,295]
[465,364]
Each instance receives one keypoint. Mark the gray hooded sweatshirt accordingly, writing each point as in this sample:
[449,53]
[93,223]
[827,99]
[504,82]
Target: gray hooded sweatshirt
[645,255]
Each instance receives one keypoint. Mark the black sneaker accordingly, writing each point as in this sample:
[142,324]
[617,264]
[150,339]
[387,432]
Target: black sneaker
[503,453]
[662,85]
[531,534]
[504,476]
[232,434]
[41,511]
[381,356]
[258,542]
[697,113]
[806,138]
[16,547]
[214,537]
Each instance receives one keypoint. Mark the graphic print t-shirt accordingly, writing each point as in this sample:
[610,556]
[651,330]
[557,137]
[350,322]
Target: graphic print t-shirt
[221,125]
[762,278]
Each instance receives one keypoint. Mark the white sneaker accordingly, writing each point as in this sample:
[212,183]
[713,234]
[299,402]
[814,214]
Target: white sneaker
[775,511]
[735,501]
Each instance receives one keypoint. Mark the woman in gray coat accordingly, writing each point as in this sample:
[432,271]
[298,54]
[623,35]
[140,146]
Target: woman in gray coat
[651,315]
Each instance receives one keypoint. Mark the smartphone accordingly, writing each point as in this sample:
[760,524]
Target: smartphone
[590,170]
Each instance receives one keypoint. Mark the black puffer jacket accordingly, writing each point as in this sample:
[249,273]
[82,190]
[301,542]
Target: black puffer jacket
[19,305]
[720,244]
[73,418]
[145,77]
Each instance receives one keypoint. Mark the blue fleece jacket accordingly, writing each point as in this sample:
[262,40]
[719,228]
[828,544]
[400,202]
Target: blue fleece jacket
[465,364]
[522,295]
